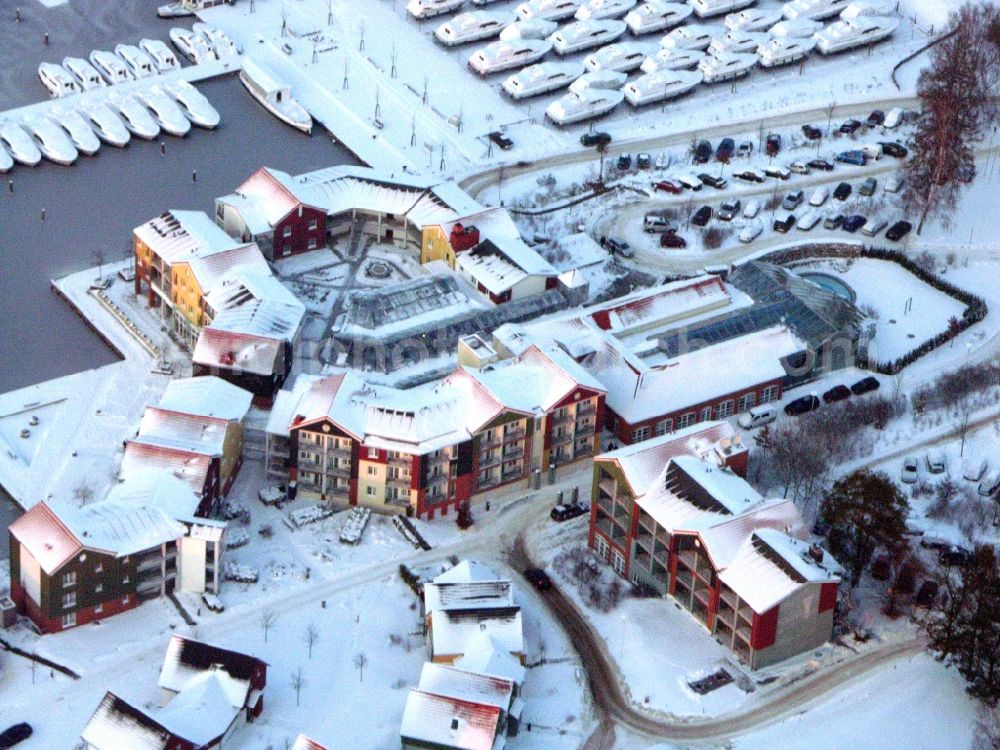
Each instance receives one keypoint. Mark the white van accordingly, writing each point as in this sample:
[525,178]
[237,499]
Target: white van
[758,416]
[751,209]
[874,226]
[893,117]
[652,223]
[991,484]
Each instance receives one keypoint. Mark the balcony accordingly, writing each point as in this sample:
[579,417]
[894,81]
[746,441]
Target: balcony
[435,479]
[605,503]
[309,464]
[607,485]
[489,442]
[642,559]
[402,483]
[338,452]
[438,460]
[561,439]
[728,596]
[489,459]
[400,461]
[339,471]
[585,409]
[585,430]
[340,491]
[558,419]
[512,453]
[515,434]
[582,452]
[604,525]
[510,475]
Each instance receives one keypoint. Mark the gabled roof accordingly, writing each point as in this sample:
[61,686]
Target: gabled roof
[207,396]
[185,432]
[271,193]
[121,529]
[449,722]
[46,537]
[441,679]
[187,658]
[485,656]
[453,629]
[118,725]
[140,458]
[237,351]
[204,709]
[468,571]
[184,236]
[209,270]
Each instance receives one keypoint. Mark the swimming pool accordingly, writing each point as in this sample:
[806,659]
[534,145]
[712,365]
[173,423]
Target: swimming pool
[831,284]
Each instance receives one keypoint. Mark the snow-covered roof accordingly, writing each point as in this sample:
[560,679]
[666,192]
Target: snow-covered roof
[46,537]
[120,529]
[304,743]
[211,269]
[232,350]
[468,571]
[452,682]
[582,249]
[118,725]
[186,659]
[203,710]
[452,629]
[178,236]
[449,722]
[185,432]
[140,458]
[207,396]
[264,199]
[485,656]
[157,488]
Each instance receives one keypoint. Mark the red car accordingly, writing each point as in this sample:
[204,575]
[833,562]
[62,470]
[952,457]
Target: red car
[672,240]
[668,186]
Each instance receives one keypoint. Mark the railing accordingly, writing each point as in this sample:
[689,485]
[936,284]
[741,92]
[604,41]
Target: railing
[400,482]
[558,419]
[512,474]
[436,460]
[437,479]
[486,460]
[584,431]
[585,409]
[607,485]
[339,471]
[338,452]
[605,503]
[512,453]
[400,461]
[515,434]
[560,439]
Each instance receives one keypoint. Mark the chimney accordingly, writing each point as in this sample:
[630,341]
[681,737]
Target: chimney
[454,725]
[463,237]
[816,552]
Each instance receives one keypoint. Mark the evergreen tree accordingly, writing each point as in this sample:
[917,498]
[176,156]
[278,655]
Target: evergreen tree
[865,511]
[464,519]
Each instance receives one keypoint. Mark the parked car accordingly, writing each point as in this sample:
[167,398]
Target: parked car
[568,511]
[624,161]
[643,161]
[751,232]
[881,567]
[501,140]
[990,485]
[729,209]
[273,495]
[891,148]
[834,221]
[799,167]
[808,220]
[811,132]
[689,181]
[595,139]
[793,200]
[672,241]
[777,171]
[849,127]
[955,556]
[784,224]
[819,196]
[853,223]
[857,158]
[652,223]
[893,118]
[751,209]
[14,734]
[868,187]
[750,175]
[837,393]
[873,227]
[974,470]
[865,385]
[744,149]
[876,118]
[872,151]
[822,164]
[617,247]
[702,152]
[702,216]
[758,416]
[719,183]
[724,151]
[538,578]
[668,186]
[893,185]
[842,192]
[772,144]
[910,472]
[927,593]
[935,462]
[802,405]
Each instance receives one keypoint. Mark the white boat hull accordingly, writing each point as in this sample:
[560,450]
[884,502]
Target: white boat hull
[168,115]
[642,91]
[298,124]
[6,162]
[53,142]
[193,104]
[566,112]
[110,66]
[173,10]
[106,124]
[19,144]
[83,137]
[136,118]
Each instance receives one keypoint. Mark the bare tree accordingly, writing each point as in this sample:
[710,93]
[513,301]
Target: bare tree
[83,493]
[964,422]
[98,259]
[761,131]
[267,619]
[311,637]
[830,108]
[298,681]
[360,661]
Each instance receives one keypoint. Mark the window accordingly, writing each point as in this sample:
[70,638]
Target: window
[286,232]
[601,547]
[312,243]
[99,588]
[685,420]
[706,414]
[370,491]
[98,609]
[99,568]
[69,599]
[373,453]
[664,426]
[372,471]
[725,409]
[69,579]
[125,580]
[69,619]
[313,223]
[769,394]
[640,434]
[747,400]
[618,563]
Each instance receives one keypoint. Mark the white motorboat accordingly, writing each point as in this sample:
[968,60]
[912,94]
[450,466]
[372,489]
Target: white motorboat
[112,67]
[660,86]
[173,10]
[784,51]
[657,15]
[737,40]
[541,79]
[86,75]
[135,116]
[547,10]
[726,66]
[536,28]
[604,79]
[857,32]
[193,104]
[696,36]
[421,9]
[6,162]
[581,35]
[52,141]
[470,27]
[669,58]
[165,111]
[866,8]
[752,19]
[57,80]
[222,46]
[275,96]
[623,56]
[817,10]
[799,28]
[577,106]
[141,64]
[708,8]
[517,53]
[19,144]
[194,47]
[79,132]
[106,123]
[604,9]
[162,56]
